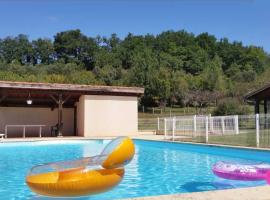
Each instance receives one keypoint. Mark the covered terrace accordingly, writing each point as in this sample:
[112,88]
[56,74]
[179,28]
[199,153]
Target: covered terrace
[49,109]
[258,97]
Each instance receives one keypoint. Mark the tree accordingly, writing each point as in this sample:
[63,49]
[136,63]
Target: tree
[18,48]
[208,43]
[178,88]
[73,46]
[230,107]
[43,51]
[195,60]
[83,77]
[108,74]
[174,67]
[213,77]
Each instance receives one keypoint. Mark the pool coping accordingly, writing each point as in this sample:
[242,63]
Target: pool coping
[205,144]
[10,140]
[35,139]
[250,193]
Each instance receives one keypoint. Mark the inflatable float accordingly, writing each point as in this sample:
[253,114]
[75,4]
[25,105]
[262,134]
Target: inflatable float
[244,172]
[84,176]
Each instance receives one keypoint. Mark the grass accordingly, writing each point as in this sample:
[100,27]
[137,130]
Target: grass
[174,111]
[248,139]
[242,139]
[247,136]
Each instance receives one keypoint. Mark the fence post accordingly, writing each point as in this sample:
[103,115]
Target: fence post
[211,123]
[194,125]
[222,125]
[236,124]
[165,128]
[257,130]
[206,129]
[173,128]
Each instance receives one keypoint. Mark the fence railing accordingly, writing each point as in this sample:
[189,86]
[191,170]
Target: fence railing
[242,130]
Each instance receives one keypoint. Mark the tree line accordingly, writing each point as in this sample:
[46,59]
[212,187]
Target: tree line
[174,67]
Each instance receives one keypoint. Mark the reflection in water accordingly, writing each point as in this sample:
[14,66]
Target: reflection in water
[218,184]
[93,149]
[198,186]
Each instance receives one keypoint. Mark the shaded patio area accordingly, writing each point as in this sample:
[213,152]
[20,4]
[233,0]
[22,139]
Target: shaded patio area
[44,109]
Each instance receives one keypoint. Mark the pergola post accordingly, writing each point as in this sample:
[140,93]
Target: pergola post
[60,115]
[257,106]
[60,101]
[265,106]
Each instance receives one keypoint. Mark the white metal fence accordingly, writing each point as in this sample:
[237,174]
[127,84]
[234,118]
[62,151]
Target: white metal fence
[244,130]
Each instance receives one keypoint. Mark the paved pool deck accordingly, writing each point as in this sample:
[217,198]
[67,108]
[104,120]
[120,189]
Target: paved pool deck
[251,193]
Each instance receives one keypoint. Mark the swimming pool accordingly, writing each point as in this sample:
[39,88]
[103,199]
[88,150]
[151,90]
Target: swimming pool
[157,168]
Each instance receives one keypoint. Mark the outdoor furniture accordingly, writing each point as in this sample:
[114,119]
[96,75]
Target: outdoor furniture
[2,135]
[24,128]
[55,129]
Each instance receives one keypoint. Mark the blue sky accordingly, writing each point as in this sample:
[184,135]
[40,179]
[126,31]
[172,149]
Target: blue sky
[242,20]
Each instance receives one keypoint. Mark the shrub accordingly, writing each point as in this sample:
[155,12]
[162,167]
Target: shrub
[230,107]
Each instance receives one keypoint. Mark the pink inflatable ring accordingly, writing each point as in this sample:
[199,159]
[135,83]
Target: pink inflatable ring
[244,172]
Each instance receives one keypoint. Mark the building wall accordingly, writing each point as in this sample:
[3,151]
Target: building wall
[80,116]
[99,115]
[28,115]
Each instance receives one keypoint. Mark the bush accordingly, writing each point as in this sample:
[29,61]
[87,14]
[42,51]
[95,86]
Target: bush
[230,107]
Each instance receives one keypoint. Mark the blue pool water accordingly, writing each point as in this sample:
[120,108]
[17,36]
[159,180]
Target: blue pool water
[157,168]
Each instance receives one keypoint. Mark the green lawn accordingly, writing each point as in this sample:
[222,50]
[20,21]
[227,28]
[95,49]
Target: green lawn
[247,139]
[175,111]
[247,136]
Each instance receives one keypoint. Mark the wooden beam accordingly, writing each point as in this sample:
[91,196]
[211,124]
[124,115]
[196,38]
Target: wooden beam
[265,106]
[75,121]
[67,98]
[60,115]
[257,106]
[51,106]
[56,101]
[3,98]
[55,87]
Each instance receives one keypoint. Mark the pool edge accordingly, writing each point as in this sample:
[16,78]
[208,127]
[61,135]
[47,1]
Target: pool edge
[251,193]
[202,144]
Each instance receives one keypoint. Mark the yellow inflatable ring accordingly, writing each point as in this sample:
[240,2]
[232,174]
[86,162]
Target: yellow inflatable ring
[77,183]
[84,176]
[120,152]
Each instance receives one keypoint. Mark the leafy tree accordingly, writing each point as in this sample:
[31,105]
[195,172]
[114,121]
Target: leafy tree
[213,78]
[73,46]
[43,51]
[174,67]
[83,77]
[244,76]
[178,88]
[16,49]
[108,74]
[208,43]
[230,107]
